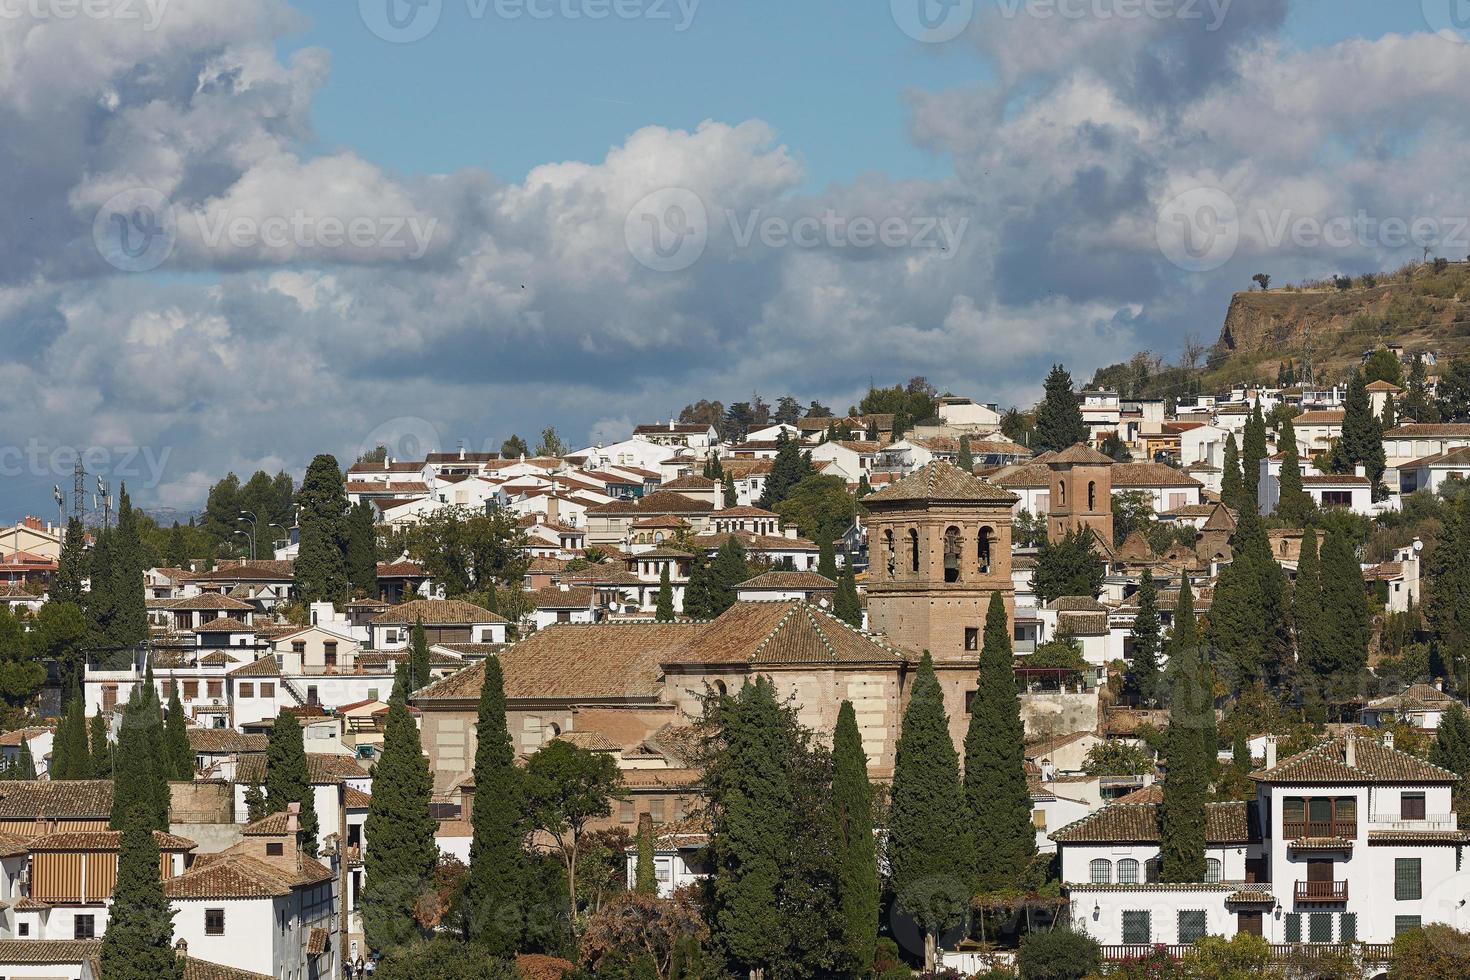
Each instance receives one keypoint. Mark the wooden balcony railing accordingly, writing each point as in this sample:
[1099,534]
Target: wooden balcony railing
[1321,891]
[1296,830]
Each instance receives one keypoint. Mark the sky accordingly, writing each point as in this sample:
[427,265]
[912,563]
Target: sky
[235,236]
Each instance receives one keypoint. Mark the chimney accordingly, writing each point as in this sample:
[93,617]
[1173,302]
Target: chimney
[1270,751]
[1350,751]
[1388,740]
[1439,683]
[671,425]
[293,819]
[1360,470]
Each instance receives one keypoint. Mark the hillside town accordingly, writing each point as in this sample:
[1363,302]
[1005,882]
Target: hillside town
[1125,682]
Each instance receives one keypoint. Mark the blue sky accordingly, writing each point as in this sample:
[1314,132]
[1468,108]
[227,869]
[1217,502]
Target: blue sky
[541,164]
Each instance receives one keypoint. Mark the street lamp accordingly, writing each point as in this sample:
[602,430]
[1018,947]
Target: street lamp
[250,519]
[284,530]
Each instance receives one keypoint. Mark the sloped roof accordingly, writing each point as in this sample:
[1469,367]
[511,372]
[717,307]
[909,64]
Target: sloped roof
[196,969]
[214,741]
[1151,475]
[48,952]
[65,799]
[437,612]
[939,481]
[224,625]
[1326,764]
[778,581]
[208,601]
[103,840]
[1418,697]
[1081,453]
[557,598]
[691,482]
[658,502]
[234,875]
[1139,823]
[322,768]
[788,632]
[264,667]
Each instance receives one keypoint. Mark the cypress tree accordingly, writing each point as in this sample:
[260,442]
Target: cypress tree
[1451,750]
[1059,421]
[1418,405]
[996,793]
[178,548]
[1390,417]
[321,567]
[139,778]
[1182,837]
[1295,504]
[1186,637]
[99,605]
[966,457]
[697,589]
[753,825]
[827,560]
[852,807]
[287,778]
[787,470]
[25,765]
[401,853]
[138,944]
[100,749]
[1344,614]
[498,876]
[646,882]
[1232,485]
[1141,682]
[418,658]
[1307,612]
[360,550]
[728,570]
[66,762]
[71,566]
[731,499]
[1362,435]
[179,757]
[1252,451]
[1448,608]
[930,847]
[847,606]
[129,626]
[664,610]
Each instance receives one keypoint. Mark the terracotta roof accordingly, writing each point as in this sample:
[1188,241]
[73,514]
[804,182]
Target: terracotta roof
[754,542]
[216,659]
[322,768]
[1077,603]
[208,601]
[215,741]
[224,625]
[1151,475]
[63,799]
[48,952]
[11,845]
[1152,793]
[1429,430]
[437,612]
[1024,476]
[658,502]
[1418,697]
[264,667]
[255,571]
[316,941]
[1326,764]
[557,598]
[691,482]
[939,481]
[234,875]
[575,661]
[1326,416]
[788,632]
[1081,454]
[1130,823]
[196,969]
[1387,386]
[271,825]
[14,737]
[103,840]
[356,799]
[591,741]
[1083,624]
[782,581]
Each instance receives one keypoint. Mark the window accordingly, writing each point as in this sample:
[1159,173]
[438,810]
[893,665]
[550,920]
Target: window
[84,927]
[214,922]
[625,812]
[1213,870]
[1319,927]
[1062,494]
[1293,927]
[23,929]
[298,647]
[888,552]
[247,689]
[191,690]
[330,653]
[267,690]
[276,849]
[109,697]
[1193,926]
[1411,806]
[1137,929]
[1337,498]
[1408,883]
[1322,816]
[1038,819]
[952,550]
[972,638]
[656,810]
[1128,872]
[216,689]
[1102,871]
[1349,928]
[1405,923]
[372,694]
[913,551]
[983,549]
[1092,496]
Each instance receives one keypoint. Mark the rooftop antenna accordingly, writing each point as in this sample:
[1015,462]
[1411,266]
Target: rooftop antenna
[104,493]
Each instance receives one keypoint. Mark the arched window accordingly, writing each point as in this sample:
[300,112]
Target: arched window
[1213,870]
[554,729]
[913,551]
[1152,869]
[1092,496]
[1128,872]
[720,687]
[952,554]
[1062,494]
[982,549]
[890,559]
[1102,871]
[658,537]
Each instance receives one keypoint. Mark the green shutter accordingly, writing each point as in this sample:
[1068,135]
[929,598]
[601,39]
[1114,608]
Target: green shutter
[1293,927]
[1407,880]
[1349,927]
[1137,929]
[1319,927]
[1193,926]
[1405,923]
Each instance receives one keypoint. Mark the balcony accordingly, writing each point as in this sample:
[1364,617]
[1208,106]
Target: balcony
[1320,829]
[1434,822]
[1321,891]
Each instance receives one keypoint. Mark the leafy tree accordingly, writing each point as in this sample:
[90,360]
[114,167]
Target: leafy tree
[1069,567]
[59,634]
[847,606]
[1117,759]
[788,469]
[820,507]
[514,448]
[1115,448]
[69,757]
[852,808]
[551,444]
[1263,280]
[1188,748]
[566,789]
[930,847]
[469,552]
[444,956]
[1252,451]
[360,550]
[1059,419]
[1383,365]
[1295,505]
[21,676]
[321,568]
[138,944]
[731,499]
[998,799]
[1312,640]
[1059,954]
[1448,606]
[498,872]
[99,605]
[401,854]
[1436,950]
[1141,682]
[664,611]
[287,779]
[177,757]
[698,601]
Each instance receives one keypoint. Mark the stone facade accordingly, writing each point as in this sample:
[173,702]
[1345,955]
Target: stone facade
[1081,493]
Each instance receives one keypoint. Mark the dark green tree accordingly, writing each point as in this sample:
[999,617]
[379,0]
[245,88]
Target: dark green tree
[847,606]
[1419,406]
[1232,484]
[321,567]
[177,553]
[827,559]
[21,675]
[1059,421]
[1451,750]
[59,634]
[1252,451]
[69,756]
[1348,628]
[1390,416]
[177,757]
[1141,682]
[1295,505]
[857,857]
[788,469]
[1448,606]
[568,788]
[100,749]
[287,777]
[514,448]
[727,571]
[139,778]
[966,460]
[129,624]
[930,847]
[71,567]
[418,657]
[1190,732]
[1362,435]
[361,550]
[138,944]
[731,499]
[1069,567]
[495,890]
[664,610]
[996,794]
[401,853]
[646,880]
[99,605]
[25,763]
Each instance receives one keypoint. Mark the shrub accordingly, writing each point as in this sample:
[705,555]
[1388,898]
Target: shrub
[1059,955]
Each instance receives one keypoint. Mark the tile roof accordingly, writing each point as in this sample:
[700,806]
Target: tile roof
[437,612]
[103,840]
[1326,764]
[255,571]
[939,481]
[264,667]
[272,825]
[235,875]
[658,502]
[1077,603]
[1022,476]
[14,737]
[1418,697]
[48,952]
[63,799]
[691,482]
[208,601]
[224,625]
[1138,823]
[558,598]
[1083,624]
[1326,416]
[1081,454]
[356,799]
[591,741]
[322,768]
[755,542]
[196,969]
[781,581]
[575,661]
[1429,430]
[787,632]
[1151,475]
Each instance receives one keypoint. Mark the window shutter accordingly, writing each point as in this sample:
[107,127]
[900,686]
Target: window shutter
[1193,926]
[1293,927]
[1320,927]
[1349,927]
[1137,929]
[1407,881]
[1405,923]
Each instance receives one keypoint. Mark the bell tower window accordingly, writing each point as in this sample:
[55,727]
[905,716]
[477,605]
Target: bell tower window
[952,555]
[983,549]
[914,551]
[1092,497]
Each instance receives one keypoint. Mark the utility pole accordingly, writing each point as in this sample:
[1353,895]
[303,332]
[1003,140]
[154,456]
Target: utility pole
[78,489]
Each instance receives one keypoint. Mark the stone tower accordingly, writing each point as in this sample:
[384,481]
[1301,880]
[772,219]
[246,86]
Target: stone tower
[1081,493]
[939,544]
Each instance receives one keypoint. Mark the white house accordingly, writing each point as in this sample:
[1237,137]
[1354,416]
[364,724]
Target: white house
[1422,705]
[1329,491]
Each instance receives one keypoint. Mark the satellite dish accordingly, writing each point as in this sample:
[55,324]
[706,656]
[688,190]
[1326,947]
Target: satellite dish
[1418,546]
